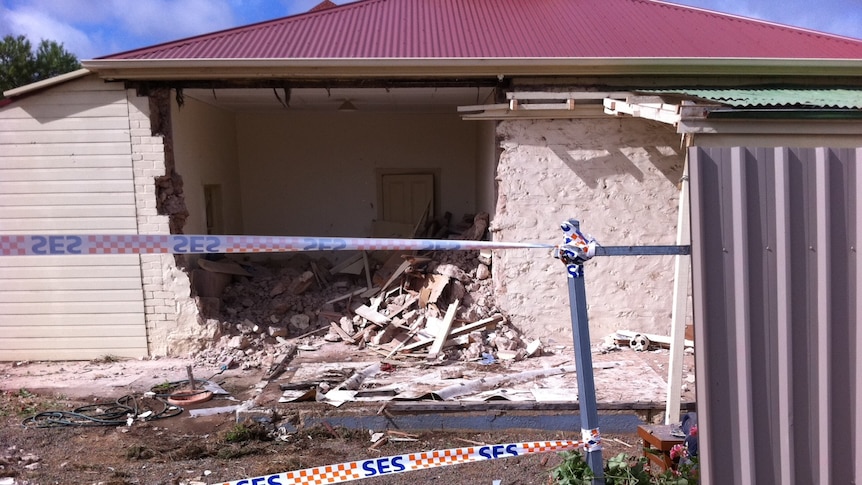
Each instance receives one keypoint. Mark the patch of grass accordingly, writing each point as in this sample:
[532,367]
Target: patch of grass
[24,402]
[106,359]
[163,388]
[24,393]
[246,432]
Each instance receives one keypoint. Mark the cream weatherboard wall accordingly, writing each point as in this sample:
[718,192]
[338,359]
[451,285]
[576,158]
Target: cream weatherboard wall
[79,158]
[66,167]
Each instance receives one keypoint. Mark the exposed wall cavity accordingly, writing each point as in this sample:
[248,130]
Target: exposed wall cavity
[619,178]
[171,315]
[169,187]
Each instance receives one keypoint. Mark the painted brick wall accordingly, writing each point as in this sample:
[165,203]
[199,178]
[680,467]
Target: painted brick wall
[170,312]
[619,177]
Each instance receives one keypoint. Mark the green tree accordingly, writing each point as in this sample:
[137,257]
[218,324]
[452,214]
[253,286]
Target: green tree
[20,64]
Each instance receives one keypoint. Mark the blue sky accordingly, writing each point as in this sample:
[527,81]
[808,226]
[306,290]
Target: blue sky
[93,28]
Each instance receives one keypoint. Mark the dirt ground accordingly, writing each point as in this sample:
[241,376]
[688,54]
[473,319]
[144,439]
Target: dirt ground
[208,450]
[212,449]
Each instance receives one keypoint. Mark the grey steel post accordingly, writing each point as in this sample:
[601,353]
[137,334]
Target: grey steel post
[575,250]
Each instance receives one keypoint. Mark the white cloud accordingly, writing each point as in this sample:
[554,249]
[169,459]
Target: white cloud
[90,28]
[172,19]
[38,24]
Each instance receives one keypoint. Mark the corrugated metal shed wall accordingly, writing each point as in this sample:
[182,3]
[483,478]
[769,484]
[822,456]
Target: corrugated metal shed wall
[776,286]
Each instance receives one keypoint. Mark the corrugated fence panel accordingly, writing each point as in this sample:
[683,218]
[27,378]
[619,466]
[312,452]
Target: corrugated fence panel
[776,286]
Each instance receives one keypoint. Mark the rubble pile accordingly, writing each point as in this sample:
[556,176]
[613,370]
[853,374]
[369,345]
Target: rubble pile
[435,306]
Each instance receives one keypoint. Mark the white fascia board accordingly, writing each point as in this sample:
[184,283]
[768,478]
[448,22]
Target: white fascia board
[46,83]
[200,69]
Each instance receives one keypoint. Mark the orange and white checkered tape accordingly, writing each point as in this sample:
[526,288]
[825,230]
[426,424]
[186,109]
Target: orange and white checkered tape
[373,467]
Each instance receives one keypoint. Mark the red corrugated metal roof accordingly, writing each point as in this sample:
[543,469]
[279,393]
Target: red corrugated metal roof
[392,29]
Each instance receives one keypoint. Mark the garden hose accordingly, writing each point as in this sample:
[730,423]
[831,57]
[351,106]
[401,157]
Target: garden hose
[116,413]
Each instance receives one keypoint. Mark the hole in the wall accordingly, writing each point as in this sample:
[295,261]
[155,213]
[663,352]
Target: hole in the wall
[169,187]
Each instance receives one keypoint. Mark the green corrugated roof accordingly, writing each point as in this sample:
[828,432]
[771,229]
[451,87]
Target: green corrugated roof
[774,98]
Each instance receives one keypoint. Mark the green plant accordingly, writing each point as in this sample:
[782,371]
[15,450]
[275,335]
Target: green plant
[241,432]
[573,470]
[621,469]
[27,402]
[626,470]
[24,393]
[163,388]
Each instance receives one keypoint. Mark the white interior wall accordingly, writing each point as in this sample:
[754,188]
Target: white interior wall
[313,173]
[618,177]
[205,152]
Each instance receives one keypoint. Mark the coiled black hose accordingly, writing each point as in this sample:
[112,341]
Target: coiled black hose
[103,414]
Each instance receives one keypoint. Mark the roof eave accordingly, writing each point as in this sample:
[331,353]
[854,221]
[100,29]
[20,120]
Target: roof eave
[203,69]
[46,83]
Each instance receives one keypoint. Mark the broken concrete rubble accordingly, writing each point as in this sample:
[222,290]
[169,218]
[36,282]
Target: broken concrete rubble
[437,305]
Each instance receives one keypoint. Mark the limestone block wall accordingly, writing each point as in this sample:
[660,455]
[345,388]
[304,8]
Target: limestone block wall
[171,314]
[619,177]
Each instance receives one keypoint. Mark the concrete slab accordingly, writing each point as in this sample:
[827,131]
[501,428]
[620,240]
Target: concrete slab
[86,379]
[640,378]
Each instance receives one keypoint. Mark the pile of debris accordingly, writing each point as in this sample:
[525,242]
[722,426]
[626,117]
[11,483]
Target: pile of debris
[437,305]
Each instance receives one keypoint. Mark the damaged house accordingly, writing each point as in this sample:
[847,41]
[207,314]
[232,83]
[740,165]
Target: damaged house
[391,118]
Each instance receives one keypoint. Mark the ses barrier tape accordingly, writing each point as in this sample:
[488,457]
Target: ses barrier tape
[78,244]
[374,467]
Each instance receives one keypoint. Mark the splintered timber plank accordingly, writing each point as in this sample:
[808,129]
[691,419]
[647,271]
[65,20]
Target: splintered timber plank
[456,332]
[441,338]
[341,333]
[398,272]
[372,316]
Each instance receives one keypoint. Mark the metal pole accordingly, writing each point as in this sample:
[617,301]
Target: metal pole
[681,280]
[575,250]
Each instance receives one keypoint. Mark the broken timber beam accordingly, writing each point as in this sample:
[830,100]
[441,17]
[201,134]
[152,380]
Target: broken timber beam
[441,338]
[456,332]
[372,315]
[341,333]
[398,272]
